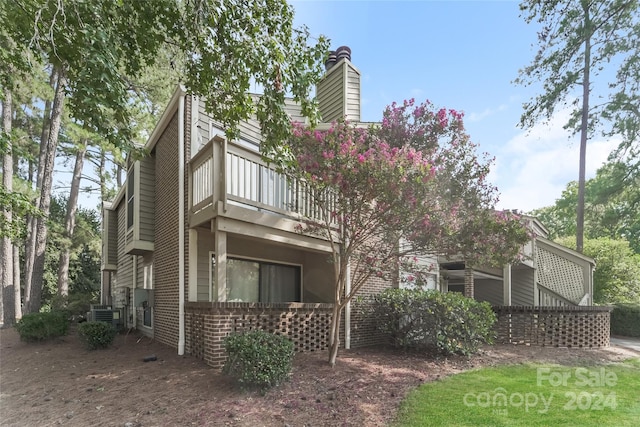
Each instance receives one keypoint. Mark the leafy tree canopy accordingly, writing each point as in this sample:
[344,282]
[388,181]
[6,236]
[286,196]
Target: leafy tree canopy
[617,275]
[612,206]
[226,45]
[387,194]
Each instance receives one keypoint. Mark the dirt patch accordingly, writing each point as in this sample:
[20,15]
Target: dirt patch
[61,383]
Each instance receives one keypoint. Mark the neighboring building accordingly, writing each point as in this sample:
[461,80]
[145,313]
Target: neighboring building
[551,275]
[201,239]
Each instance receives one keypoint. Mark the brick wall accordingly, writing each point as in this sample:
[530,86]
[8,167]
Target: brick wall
[582,327]
[188,108]
[165,321]
[207,324]
[363,329]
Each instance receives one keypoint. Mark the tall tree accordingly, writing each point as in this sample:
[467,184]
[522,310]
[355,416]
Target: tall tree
[579,39]
[7,297]
[227,44]
[612,206]
[70,217]
[386,196]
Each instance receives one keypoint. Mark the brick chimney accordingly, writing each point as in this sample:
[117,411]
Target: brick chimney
[338,92]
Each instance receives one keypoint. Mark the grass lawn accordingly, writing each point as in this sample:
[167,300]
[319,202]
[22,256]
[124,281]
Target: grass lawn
[529,395]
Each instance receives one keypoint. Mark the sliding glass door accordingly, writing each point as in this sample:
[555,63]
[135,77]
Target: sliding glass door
[259,281]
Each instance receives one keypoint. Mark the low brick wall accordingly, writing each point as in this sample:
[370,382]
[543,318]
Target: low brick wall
[582,327]
[207,324]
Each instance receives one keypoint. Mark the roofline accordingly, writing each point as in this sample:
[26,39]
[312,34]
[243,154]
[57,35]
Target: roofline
[566,249]
[172,107]
[537,221]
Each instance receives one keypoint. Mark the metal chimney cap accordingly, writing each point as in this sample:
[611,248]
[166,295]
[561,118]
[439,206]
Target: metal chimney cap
[343,52]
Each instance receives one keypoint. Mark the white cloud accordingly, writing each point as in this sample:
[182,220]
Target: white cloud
[476,117]
[534,167]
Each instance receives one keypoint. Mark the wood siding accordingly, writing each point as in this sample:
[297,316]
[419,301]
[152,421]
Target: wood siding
[489,290]
[205,245]
[353,94]
[147,196]
[338,93]
[250,130]
[124,275]
[522,286]
[330,94]
[109,239]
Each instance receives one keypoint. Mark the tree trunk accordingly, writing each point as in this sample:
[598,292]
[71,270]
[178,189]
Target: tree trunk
[16,282]
[16,257]
[30,243]
[103,181]
[583,131]
[7,305]
[34,291]
[70,222]
[119,175]
[334,336]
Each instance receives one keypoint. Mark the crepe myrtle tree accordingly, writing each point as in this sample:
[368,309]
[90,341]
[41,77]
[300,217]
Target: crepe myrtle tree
[387,194]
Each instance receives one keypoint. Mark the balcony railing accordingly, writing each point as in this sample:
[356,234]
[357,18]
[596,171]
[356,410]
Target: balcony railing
[249,182]
[548,298]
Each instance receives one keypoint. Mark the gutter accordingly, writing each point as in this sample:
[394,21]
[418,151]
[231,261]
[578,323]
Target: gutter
[181,331]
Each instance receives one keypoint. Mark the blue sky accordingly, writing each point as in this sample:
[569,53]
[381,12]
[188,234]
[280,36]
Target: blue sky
[462,55]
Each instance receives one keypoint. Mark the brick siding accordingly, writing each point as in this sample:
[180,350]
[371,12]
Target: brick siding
[165,321]
[207,325]
[363,328]
[582,327]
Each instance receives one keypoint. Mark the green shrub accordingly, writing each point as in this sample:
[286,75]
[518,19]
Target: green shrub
[258,359]
[42,326]
[96,335]
[424,320]
[625,320]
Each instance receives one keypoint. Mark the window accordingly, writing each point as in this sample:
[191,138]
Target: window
[258,281]
[130,197]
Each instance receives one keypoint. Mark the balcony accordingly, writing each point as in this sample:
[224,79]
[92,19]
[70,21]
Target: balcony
[226,177]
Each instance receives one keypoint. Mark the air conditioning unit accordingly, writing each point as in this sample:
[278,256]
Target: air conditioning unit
[107,315]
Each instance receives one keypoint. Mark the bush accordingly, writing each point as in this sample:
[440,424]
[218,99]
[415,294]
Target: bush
[76,305]
[96,335]
[258,359]
[42,326]
[425,320]
[625,320]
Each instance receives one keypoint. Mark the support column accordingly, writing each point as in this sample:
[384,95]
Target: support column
[105,288]
[468,282]
[506,285]
[193,265]
[221,265]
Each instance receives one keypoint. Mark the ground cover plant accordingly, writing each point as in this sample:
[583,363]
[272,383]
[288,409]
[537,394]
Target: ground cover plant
[42,326]
[529,395]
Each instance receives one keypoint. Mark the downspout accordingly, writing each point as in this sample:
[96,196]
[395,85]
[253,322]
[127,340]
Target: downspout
[181,332]
[132,298]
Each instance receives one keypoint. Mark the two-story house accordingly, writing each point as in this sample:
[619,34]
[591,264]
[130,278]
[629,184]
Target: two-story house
[201,239]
